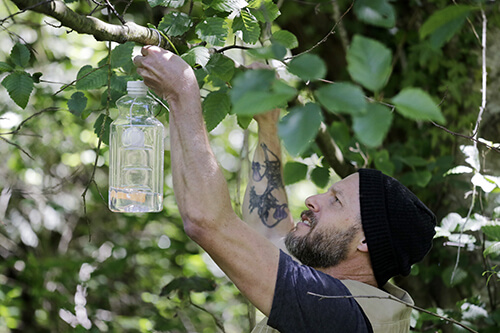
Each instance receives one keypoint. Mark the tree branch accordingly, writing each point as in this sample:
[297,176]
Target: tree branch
[392,298]
[333,154]
[102,31]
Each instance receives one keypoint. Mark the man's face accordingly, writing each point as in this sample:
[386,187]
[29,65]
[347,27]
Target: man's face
[331,227]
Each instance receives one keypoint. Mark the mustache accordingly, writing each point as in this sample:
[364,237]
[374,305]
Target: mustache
[309,215]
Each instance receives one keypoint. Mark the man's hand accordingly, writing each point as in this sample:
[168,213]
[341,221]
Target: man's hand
[167,74]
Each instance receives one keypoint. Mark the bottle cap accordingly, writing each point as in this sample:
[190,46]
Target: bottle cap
[137,88]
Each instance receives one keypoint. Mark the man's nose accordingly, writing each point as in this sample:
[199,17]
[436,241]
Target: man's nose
[312,203]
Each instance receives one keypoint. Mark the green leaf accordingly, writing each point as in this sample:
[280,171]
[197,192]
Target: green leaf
[175,23]
[19,85]
[249,27]
[285,38]
[252,80]
[167,3]
[492,231]
[198,55]
[101,121]
[273,51]
[255,102]
[383,162]
[20,55]
[227,5]
[299,127]
[221,66]
[320,176]
[444,23]
[212,30]
[294,172]
[376,12]
[216,106]
[369,63]
[416,104]
[493,249]
[89,78]
[342,97]
[5,67]
[418,178]
[265,11]
[121,56]
[372,127]
[414,161]
[77,103]
[258,91]
[459,275]
[308,67]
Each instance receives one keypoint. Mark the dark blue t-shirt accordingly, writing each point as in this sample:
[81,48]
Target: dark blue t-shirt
[294,310]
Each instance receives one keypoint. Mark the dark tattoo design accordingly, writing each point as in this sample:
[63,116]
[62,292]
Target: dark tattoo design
[266,201]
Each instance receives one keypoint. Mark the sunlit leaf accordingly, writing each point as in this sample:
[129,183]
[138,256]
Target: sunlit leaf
[212,30]
[250,27]
[485,184]
[264,10]
[175,23]
[376,12]
[299,127]
[227,5]
[285,38]
[416,104]
[471,156]
[167,3]
[198,55]
[369,63]
[493,249]
[5,67]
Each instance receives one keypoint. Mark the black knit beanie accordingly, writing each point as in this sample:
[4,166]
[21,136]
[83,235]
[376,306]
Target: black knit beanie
[398,227]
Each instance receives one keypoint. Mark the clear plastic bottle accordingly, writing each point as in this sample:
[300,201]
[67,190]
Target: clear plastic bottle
[136,154]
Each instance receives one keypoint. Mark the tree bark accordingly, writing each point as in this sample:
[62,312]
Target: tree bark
[102,31]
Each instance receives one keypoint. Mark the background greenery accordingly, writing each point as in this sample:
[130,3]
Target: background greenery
[396,85]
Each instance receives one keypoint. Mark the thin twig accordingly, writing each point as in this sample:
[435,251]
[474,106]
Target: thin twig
[392,298]
[475,135]
[324,39]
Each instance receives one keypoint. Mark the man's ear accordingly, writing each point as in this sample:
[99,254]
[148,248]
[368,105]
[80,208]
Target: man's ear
[362,245]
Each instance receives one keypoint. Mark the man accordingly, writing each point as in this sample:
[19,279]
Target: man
[352,239]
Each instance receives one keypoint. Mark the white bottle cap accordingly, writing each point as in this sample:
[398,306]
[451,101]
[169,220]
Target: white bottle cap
[137,88]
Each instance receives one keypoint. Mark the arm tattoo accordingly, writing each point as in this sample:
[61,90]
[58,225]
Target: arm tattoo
[266,201]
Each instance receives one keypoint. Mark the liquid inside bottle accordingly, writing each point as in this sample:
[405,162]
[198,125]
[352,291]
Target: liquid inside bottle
[136,154]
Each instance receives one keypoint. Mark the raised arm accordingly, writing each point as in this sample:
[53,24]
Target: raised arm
[265,206]
[248,258]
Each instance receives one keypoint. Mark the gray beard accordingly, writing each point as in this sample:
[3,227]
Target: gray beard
[320,250]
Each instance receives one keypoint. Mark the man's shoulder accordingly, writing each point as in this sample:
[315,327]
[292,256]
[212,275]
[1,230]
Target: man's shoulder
[388,309]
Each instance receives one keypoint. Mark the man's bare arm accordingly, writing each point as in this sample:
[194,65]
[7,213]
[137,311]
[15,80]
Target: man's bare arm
[248,258]
[265,206]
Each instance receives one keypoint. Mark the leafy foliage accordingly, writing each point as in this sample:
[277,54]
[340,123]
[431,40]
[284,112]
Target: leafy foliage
[375,84]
